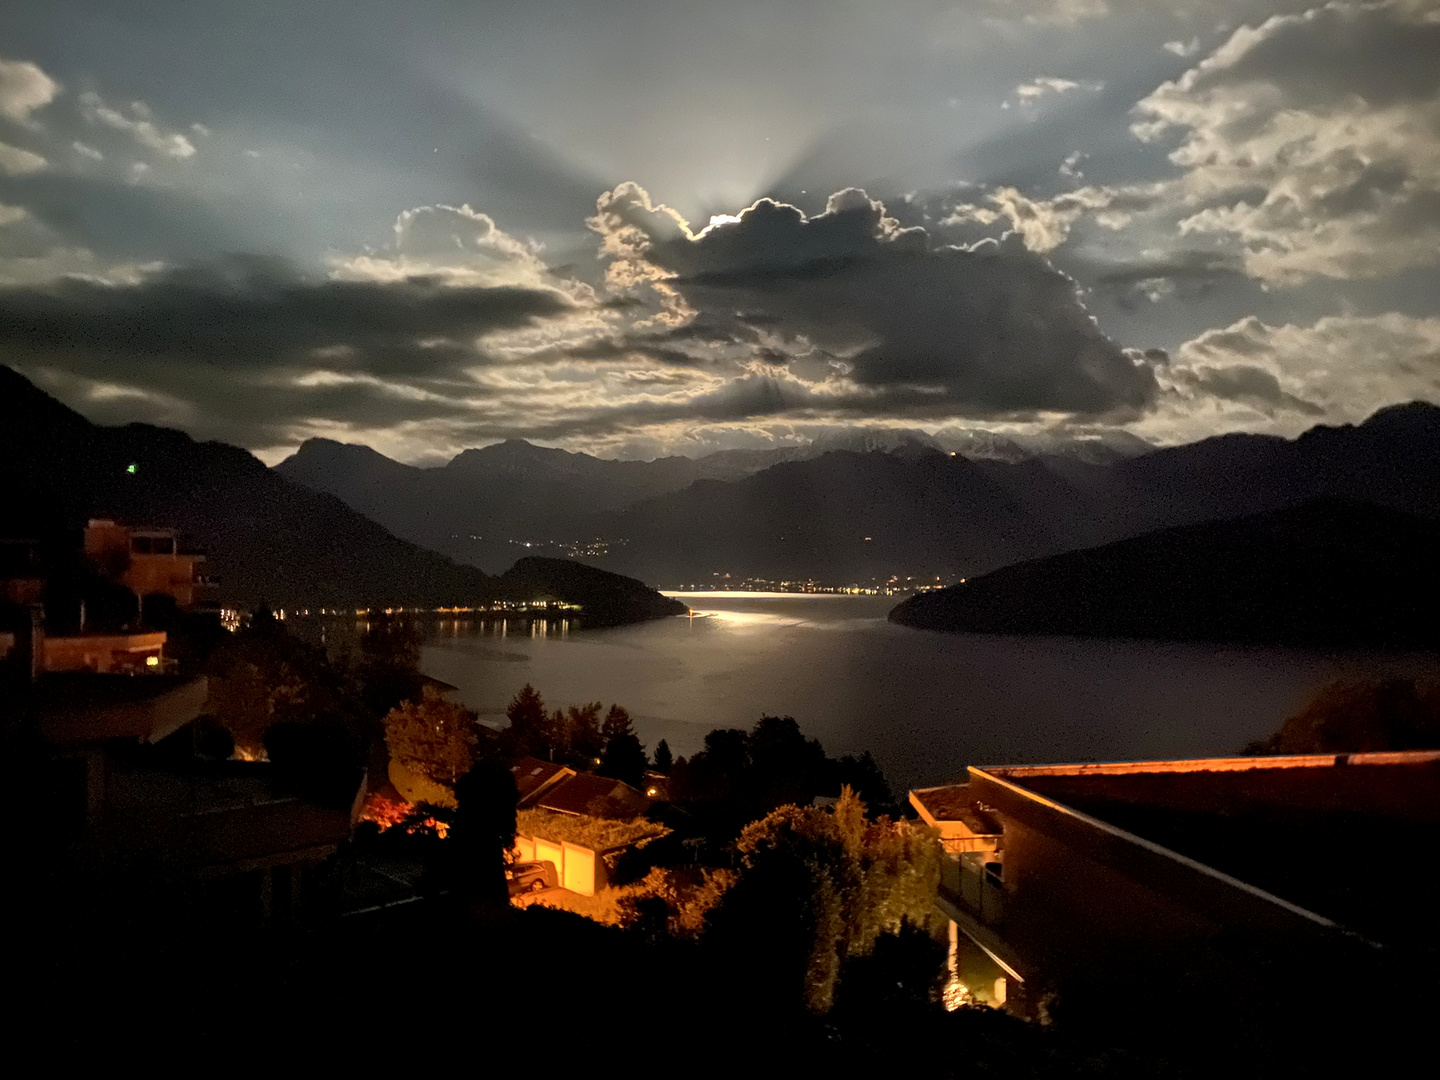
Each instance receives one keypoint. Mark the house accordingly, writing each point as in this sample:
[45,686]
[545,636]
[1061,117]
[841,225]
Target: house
[584,794]
[545,785]
[105,654]
[147,561]
[1222,880]
[22,618]
[576,821]
[138,818]
[534,776]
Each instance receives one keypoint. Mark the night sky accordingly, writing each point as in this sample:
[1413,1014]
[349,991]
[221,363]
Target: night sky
[636,227]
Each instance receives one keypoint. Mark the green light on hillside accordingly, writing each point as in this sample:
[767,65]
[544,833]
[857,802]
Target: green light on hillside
[130,468]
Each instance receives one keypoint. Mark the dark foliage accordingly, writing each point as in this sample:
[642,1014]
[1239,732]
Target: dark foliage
[263,676]
[862,774]
[483,831]
[1353,716]
[320,761]
[740,776]
[389,669]
[530,732]
[624,759]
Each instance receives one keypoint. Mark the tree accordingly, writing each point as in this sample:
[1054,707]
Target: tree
[580,741]
[433,743]
[483,831]
[751,773]
[264,676]
[1354,716]
[617,722]
[663,758]
[816,889]
[625,760]
[389,668]
[864,776]
[321,761]
[529,731]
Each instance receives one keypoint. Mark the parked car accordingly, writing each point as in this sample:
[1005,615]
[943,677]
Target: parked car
[531,877]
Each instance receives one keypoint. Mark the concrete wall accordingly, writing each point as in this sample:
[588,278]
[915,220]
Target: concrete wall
[579,869]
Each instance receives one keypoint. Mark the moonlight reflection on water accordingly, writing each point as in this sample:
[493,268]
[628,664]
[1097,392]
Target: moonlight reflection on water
[926,704]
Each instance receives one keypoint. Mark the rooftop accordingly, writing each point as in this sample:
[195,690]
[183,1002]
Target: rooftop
[594,796]
[79,708]
[1346,836]
[532,775]
[953,803]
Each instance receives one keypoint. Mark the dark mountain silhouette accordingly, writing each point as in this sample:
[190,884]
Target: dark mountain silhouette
[264,536]
[931,514]
[803,512]
[484,502]
[1324,573]
[1392,459]
[842,515]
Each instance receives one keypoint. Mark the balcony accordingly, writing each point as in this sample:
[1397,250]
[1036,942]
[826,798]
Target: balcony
[974,886]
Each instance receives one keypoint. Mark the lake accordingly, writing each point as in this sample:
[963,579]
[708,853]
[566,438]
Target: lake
[925,704]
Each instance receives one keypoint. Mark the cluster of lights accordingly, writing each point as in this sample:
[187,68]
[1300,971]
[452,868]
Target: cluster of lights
[502,606]
[594,548]
[891,587]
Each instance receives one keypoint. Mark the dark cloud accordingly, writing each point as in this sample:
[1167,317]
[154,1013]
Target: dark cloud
[250,314]
[1189,274]
[992,330]
[1248,385]
[245,349]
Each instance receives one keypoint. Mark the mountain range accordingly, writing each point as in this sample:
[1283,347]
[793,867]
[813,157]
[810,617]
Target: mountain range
[905,507]
[265,537]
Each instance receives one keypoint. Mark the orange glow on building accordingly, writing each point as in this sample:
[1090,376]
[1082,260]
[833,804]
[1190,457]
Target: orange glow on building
[146,561]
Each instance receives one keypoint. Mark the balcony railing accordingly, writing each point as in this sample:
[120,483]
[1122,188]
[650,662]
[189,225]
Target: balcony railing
[968,883]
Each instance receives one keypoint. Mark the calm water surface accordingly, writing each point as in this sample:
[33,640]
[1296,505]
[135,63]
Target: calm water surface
[926,704]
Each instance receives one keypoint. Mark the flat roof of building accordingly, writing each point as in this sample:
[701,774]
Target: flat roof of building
[952,802]
[84,707]
[1347,836]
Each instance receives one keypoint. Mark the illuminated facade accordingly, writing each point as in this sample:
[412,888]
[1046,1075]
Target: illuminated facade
[106,654]
[146,561]
[1161,877]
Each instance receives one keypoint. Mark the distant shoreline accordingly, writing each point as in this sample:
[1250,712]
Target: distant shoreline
[742,594]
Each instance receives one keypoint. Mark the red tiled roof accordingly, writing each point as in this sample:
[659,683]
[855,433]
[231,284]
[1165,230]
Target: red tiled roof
[594,796]
[532,775]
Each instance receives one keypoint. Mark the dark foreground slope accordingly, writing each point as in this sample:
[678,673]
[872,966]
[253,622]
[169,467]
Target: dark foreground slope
[265,537]
[1325,573]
